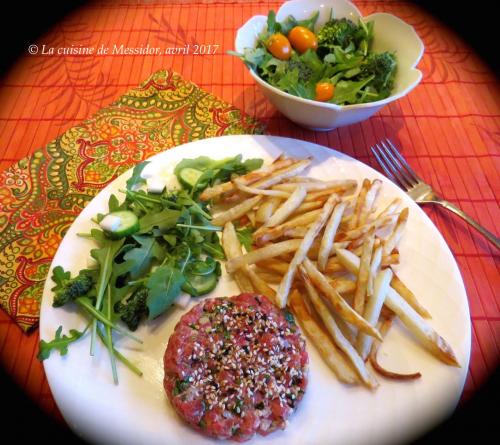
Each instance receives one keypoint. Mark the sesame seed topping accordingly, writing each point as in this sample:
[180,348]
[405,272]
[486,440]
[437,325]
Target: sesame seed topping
[243,357]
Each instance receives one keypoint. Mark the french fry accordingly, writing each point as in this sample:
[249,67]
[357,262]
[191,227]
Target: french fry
[301,253]
[244,275]
[374,268]
[363,274]
[236,212]
[251,217]
[257,191]
[301,220]
[265,234]
[296,232]
[336,334]
[266,209]
[393,240]
[346,329]
[269,277]
[354,222]
[330,354]
[260,285]
[303,179]
[287,208]
[232,249]
[264,253]
[324,194]
[360,231]
[273,265]
[370,197]
[315,186]
[351,262]
[348,259]
[283,173]
[333,265]
[306,207]
[343,285]
[388,260]
[391,208]
[429,338]
[337,302]
[409,296]
[329,235]
[249,178]
[373,308]
[232,198]
[386,324]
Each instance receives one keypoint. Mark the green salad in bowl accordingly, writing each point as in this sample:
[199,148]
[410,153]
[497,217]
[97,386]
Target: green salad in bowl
[331,63]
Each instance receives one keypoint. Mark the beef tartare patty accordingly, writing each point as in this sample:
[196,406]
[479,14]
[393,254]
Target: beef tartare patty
[236,366]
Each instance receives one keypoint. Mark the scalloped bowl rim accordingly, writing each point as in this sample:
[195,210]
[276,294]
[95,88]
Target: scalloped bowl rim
[332,106]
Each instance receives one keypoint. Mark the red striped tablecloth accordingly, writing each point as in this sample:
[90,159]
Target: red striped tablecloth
[448,126]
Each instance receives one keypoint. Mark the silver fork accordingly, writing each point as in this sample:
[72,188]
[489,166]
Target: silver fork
[398,170]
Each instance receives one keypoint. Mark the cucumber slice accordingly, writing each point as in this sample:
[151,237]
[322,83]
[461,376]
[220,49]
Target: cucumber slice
[128,224]
[205,267]
[197,285]
[189,176]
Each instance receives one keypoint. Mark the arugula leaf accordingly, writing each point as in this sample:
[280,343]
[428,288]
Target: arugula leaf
[252,164]
[142,257]
[118,284]
[60,277]
[346,91]
[105,257]
[311,60]
[271,66]
[136,179]
[166,219]
[59,343]
[244,235]
[113,204]
[272,26]
[252,57]
[164,286]
[120,356]
[291,22]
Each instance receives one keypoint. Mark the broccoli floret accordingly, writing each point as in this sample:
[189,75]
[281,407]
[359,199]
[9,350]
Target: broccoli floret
[304,71]
[338,32]
[134,308]
[68,288]
[383,67]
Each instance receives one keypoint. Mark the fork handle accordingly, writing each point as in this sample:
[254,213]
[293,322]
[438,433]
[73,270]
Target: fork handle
[485,232]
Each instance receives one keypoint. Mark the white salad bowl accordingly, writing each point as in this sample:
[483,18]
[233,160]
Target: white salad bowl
[390,34]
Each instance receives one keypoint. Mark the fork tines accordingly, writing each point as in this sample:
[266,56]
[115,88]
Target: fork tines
[394,165]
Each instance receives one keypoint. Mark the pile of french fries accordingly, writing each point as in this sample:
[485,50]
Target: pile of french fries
[323,249]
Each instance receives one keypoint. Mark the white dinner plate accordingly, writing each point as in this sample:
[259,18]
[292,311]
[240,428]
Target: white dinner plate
[137,411]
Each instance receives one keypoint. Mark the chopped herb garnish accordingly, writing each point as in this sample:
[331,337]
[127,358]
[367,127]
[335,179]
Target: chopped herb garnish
[289,317]
[181,386]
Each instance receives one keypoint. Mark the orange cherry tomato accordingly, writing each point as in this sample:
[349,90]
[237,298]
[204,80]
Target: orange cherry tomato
[302,39]
[279,46]
[324,91]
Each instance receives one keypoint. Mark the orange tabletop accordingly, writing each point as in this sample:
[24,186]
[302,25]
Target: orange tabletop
[448,126]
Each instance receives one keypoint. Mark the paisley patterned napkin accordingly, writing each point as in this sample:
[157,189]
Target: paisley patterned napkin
[41,195]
